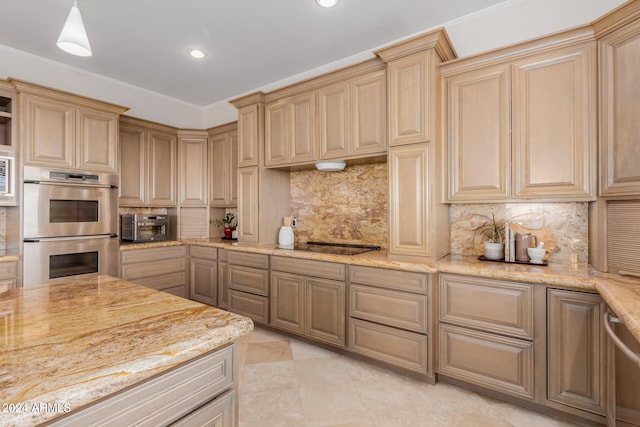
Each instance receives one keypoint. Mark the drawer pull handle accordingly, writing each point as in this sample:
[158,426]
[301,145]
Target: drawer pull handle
[608,320]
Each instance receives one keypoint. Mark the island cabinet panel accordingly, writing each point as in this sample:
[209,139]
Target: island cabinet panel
[493,361]
[307,301]
[619,82]
[220,412]
[180,395]
[576,350]
[203,275]
[163,269]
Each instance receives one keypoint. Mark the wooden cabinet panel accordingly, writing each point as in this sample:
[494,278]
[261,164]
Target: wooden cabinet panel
[623,405]
[554,124]
[98,141]
[390,279]
[248,215]
[220,412]
[409,198]
[478,134]
[619,80]
[49,133]
[400,348]
[250,120]
[223,168]
[249,279]
[203,280]
[165,282]
[133,166]
[287,301]
[223,284]
[368,113]
[507,307]
[162,153]
[163,269]
[152,268]
[255,307]
[153,254]
[401,310]
[327,270]
[248,259]
[325,310]
[576,350]
[203,252]
[193,171]
[334,124]
[408,91]
[303,128]
[492,361]
[276,130]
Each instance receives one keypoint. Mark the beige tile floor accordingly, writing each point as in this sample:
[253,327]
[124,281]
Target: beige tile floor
[287,382]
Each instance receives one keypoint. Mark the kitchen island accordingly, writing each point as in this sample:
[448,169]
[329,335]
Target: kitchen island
[74,347]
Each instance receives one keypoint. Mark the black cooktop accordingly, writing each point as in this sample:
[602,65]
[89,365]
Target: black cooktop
[335,248]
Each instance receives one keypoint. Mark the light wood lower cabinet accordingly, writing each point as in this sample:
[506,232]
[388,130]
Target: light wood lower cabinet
[163,269]
[198,392]
[8,275]
[390,317]
[203,275]
[249,285]
[308,305]
[223,279]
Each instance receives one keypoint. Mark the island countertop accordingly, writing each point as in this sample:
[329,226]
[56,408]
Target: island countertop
[68,344]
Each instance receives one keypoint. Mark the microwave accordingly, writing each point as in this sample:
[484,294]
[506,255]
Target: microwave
[144,228]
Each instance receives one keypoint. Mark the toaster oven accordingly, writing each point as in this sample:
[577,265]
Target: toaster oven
[144,228]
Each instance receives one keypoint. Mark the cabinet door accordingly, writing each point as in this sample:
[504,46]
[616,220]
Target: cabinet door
[162,151]
[203,280]
[250,119]
[193,170]
[219,168]
[409,200]
[97,141]
[554,124]
[287,301]
[49,133]
[368,113]
[409,92]
[276,134]
[325,311]
[233,168]
[623,406]
[133,170]
[248,205]
[576,350]
[479,134]
[302,119]
[619,126]
[334,123]
[223,285]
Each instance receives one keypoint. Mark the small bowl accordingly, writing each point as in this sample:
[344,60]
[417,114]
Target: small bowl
[536,254]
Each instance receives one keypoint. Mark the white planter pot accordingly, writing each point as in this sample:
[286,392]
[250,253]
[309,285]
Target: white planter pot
[493,250]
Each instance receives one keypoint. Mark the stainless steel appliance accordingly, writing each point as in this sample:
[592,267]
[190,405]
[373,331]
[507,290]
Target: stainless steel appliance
[70,224]
[144,228]
[335,248]
[7,177]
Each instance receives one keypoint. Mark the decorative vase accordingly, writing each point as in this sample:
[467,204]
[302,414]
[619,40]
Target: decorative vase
[285,237]
[493,250]
[228,232]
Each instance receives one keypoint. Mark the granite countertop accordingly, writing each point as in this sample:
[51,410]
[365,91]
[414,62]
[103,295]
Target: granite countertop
[71,343]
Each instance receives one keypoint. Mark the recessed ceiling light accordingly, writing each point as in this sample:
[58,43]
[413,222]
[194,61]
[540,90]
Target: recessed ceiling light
[327,3]
[197,53]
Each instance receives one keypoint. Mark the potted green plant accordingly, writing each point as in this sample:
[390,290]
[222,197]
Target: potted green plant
[491,232]
[229,224]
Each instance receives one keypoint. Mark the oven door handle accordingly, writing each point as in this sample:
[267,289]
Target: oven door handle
[64,239]
[71,184]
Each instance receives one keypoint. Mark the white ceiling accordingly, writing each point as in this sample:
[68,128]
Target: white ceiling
[141,44]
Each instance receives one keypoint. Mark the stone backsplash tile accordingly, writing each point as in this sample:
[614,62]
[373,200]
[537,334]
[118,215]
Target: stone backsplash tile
[350,206]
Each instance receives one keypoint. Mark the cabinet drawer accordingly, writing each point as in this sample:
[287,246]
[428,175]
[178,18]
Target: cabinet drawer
[248,259]
[203,252]
[153,254]
[253,306]
[489,305]
[164,281]
[222,255]
[402,310]
[247,279]
[6,284]
[220,412]
[8,270]
[307,267]
[492,361]
[389,279]
[400,348]
[151,269]
[163,399]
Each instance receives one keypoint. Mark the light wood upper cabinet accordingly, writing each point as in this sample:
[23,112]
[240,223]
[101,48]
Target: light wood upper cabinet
[223,165]
[409,82]
[334,122]
[576,350]
[67,131]
[521,122]
[478,129]
[248,215]
[250,136]
[148,164]
[368,113]
[619,75]
[192,171]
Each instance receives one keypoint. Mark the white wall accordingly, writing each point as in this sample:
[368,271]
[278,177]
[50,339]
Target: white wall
[507,23]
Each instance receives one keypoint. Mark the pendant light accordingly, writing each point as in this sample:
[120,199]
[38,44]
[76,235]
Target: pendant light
[73,37]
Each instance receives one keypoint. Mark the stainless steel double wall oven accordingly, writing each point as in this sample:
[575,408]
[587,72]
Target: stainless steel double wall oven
[70,224]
